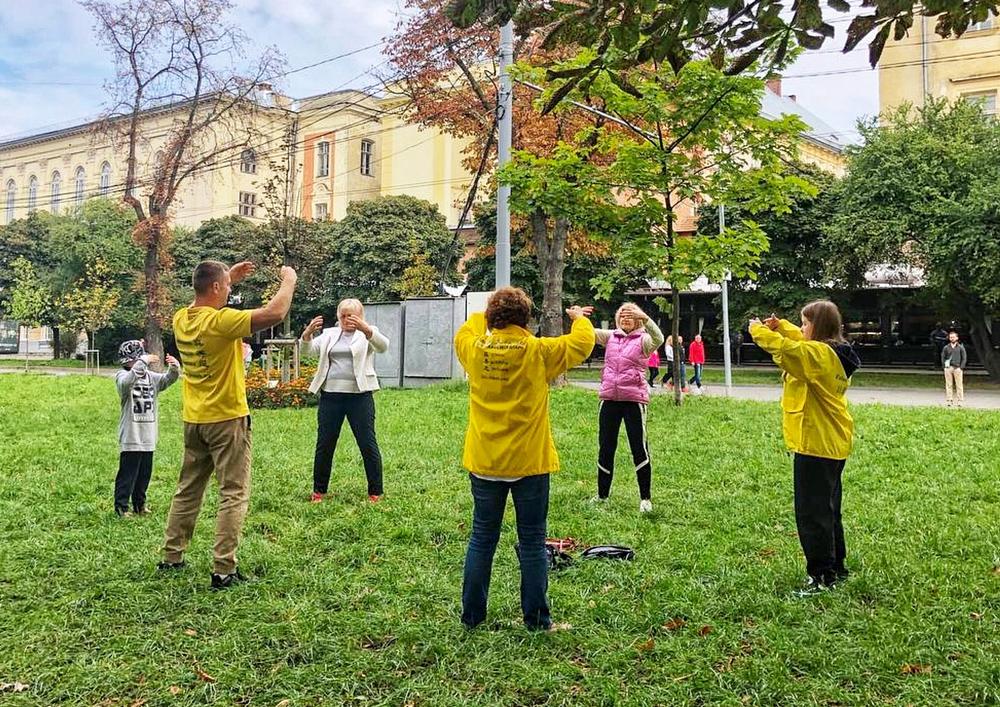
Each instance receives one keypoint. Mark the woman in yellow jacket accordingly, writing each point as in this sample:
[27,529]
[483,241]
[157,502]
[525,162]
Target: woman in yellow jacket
[818,364]
[508,444]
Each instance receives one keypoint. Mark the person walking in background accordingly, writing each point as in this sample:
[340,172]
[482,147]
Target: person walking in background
[217,434]
[624,397]
[508,442]
[954,360]
[938,339]
[345,381]
[653,364]
[696,355]
[668,352]
[138,424]
[818,364]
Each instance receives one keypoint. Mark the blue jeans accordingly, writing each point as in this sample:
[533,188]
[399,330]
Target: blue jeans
[531,506]
[697,374]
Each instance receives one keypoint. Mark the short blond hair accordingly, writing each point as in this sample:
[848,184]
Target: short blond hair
[351,304]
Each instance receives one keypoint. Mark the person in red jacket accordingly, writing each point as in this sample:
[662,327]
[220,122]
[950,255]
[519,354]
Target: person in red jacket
[696,357]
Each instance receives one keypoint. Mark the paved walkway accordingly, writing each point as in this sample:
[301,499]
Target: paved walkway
[912,397]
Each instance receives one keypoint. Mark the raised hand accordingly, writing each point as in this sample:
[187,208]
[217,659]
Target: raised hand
[152,359]
[576,311]
[754,322]
[240,271]
[288,274]
[772,322]
[171,361]
[315,325]
[356,322]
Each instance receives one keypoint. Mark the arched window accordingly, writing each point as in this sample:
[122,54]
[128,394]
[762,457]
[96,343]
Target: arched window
[56,192]
[105,179]
[248,161]
[79,185]
[11,196]
[32,193]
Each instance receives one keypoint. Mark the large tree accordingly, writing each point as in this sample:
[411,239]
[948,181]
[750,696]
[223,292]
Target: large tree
[179,62]
[448,78]
[691,136]
[735,33]
[379,246]
[924,189]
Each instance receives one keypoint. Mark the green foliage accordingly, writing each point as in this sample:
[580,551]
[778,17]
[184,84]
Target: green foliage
[735,35]
[27,238]
[30,300]
[378,239]
[91,303]
[924,189]
[354,602]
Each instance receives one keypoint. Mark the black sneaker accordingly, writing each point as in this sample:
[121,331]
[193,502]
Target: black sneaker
[165,566]
[814,587]
[225,581]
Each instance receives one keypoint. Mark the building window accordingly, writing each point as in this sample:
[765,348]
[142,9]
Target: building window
[32,193]
[105,179]
[987,100]
[248,162]
[11,197]
[248,204]
[323,159]
[320,212]
[79,185]
[367,153]
[56,192]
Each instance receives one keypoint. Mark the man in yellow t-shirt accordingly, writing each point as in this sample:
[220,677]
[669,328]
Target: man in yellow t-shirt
[217,434]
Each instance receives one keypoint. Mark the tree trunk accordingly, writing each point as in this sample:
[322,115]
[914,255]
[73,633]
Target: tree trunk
[981,339]
[551,256]
[675,332]
[151,271]
[55,342]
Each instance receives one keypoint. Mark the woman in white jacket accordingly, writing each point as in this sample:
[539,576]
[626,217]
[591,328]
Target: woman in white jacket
[345,380]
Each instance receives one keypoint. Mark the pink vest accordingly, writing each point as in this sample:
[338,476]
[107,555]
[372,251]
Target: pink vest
[624,374]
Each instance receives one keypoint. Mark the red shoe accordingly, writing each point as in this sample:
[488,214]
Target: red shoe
[374,499]
[316,497]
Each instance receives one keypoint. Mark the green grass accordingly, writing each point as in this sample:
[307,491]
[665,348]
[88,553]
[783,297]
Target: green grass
[358,604]
[861,379]
[42,363]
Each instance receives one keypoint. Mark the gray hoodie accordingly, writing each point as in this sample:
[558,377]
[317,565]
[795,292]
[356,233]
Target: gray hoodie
[138,389]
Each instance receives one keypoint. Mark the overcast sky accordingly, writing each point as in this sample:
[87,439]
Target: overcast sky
[51,69]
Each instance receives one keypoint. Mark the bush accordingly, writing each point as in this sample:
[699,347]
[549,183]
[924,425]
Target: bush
[293,394]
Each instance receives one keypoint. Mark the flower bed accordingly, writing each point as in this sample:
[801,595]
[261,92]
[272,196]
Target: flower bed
[293,394]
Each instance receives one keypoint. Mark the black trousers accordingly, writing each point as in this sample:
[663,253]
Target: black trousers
[134,472]
[818,492]
[359,409]
[612,414]
[653,373]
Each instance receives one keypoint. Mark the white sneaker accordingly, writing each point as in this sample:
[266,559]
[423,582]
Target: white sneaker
[645,506]
[598,501]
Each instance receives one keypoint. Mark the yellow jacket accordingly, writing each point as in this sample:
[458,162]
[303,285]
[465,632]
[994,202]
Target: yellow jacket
[815,420]
[509,372]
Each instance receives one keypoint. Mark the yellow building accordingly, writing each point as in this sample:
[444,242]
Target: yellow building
[322,152]
[923,64]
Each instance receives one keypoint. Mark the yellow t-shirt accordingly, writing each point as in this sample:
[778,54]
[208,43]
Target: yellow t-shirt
[210,344]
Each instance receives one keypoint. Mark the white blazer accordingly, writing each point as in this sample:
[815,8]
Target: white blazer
[363,352]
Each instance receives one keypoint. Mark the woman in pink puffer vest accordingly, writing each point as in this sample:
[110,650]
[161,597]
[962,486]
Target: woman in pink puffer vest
[624,397]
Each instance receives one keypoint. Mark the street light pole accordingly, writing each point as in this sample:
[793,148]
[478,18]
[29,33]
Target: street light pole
[505,106]
[727,363]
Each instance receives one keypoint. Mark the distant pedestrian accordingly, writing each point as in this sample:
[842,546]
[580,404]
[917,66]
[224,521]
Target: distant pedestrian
[653,365]
[954,360]
[818,364]
[624,397]
[138,426]
[696,355]
[938,338]
[508,442]
[671,351]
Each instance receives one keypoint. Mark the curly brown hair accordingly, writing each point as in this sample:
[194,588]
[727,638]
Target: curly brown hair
[506,306]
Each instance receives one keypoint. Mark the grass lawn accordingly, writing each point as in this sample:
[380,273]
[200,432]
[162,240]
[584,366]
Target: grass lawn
[861,379]
[43,363]
[358,604]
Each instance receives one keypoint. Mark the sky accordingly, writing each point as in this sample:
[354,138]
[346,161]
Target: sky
[52,69]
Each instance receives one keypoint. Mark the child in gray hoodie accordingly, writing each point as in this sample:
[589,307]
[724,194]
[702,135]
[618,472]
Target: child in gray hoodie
[138,388]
